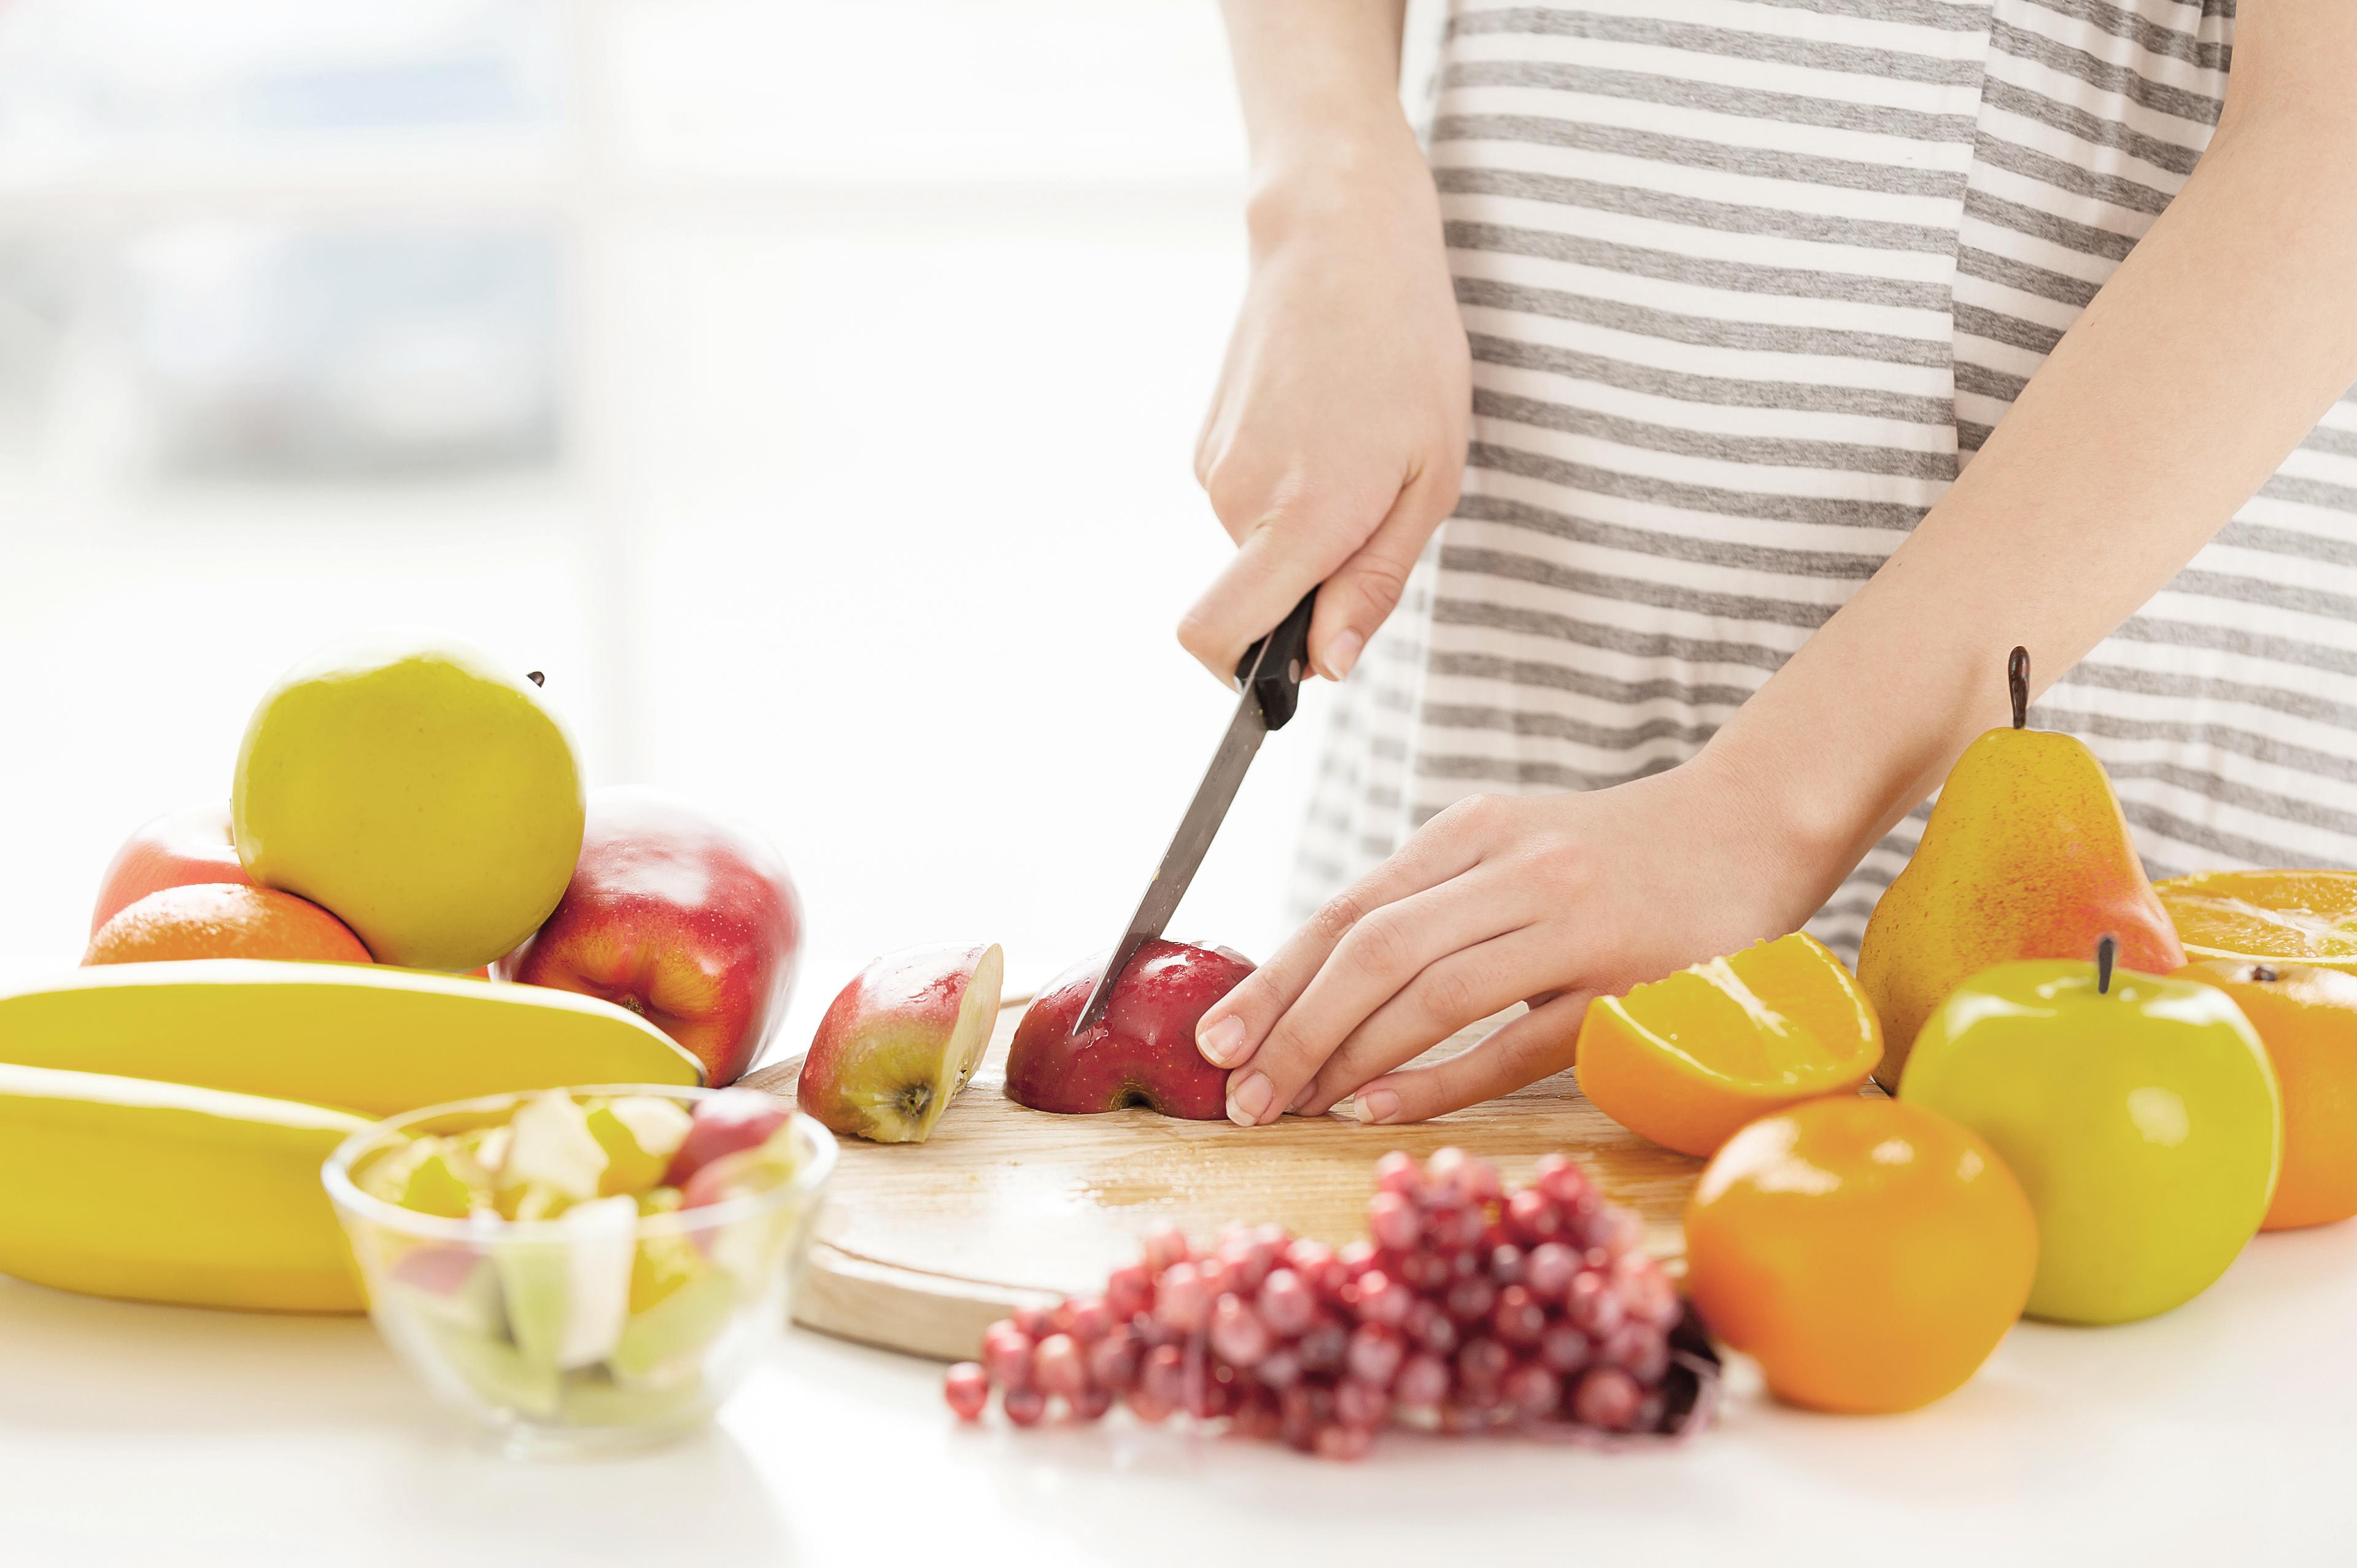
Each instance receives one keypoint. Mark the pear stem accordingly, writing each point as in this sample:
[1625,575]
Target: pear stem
[2265,974]
[2108,953]
[537,679]
[2016,685]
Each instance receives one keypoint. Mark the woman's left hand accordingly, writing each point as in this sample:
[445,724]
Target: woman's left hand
[1552,900]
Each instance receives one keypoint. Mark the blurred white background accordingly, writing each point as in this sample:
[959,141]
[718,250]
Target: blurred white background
[808,389]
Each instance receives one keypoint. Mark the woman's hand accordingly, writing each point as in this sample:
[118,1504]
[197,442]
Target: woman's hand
[1552,900]
[1336,439]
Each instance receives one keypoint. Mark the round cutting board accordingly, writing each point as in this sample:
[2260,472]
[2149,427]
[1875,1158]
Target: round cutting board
[923,1245]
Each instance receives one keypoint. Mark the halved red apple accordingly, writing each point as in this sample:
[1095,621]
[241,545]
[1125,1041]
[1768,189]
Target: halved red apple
[901,1041]
[1142,1052]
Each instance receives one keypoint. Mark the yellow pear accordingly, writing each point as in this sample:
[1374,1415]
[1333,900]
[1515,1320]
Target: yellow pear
[2026,857]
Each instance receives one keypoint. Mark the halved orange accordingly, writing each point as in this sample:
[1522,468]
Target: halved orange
[2258,917]
[1687,1060]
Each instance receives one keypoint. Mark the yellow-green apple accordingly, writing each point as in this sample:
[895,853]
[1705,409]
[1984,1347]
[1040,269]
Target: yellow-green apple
[178,849]
[2139,1112]
[685,917]
[1142,1052]
[901,1041]
[415,788]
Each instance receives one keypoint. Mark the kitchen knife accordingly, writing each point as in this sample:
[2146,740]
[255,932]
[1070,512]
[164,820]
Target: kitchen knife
[1270,674]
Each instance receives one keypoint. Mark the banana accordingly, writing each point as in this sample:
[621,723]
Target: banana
[151,1191]
[364,1037]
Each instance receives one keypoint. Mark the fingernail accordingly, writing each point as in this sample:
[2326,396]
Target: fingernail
[1248,1101]
[1375,1105]
[1302,1099]
[1221,1040]
[1342,653]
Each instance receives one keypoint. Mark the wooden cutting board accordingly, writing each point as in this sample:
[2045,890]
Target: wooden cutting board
[922,1245]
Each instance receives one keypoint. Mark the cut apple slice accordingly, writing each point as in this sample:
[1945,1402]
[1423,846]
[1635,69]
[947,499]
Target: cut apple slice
[900,1042]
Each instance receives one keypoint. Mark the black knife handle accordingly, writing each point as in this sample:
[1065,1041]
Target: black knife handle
[1276,664]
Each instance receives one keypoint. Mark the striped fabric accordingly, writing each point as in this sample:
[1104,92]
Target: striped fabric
[1745,281]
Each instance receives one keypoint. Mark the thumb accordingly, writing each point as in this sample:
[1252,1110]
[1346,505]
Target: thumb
[1367,587]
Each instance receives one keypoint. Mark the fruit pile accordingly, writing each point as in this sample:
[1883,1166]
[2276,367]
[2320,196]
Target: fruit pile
[1468,1308]
[608,1309]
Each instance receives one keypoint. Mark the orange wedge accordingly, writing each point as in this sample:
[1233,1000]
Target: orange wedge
[1687,1060]
[2260,916]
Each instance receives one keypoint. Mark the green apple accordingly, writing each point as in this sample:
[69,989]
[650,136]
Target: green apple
[2140,1114]
[415,788]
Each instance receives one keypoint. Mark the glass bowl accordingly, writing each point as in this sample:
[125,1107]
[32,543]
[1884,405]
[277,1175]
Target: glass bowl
[570,1335]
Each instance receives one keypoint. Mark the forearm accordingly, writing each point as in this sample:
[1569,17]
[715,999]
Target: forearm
[2215,346]
[1320,84]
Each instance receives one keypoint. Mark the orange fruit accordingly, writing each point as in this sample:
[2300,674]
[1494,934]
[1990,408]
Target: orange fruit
[2258,917]
[1687,1060]
[1867,1252]
[219,919]
[2307,1018]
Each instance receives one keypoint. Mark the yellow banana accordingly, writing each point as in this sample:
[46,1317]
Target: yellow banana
[364,1037]
[124,1186]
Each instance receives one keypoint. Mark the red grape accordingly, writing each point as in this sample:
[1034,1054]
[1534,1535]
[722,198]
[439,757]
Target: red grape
[1037,1322]
[1006,1355]
[1375,1353]
[1471,1301]
[1384,1300]
[1181,1301]
[1059,1366]
[1090,1404]
[1519,1318]
[1024,1407]
[1481,1364]
[1397,1172]
[1281,1368]
[1393,1221]
[1322,1345]
[1148,1406]
[1165,1245]
[1591,1305]
[1548,1270]
[1238,1334]
[1340,1441]
[1422,1383]
[1426,1272]
[1638,1349]
[1507,1263]
[1286,1304]
[1129,1290]
[1565,1349]
[1360,1403]
[1356,1259]
[1532,1391]
[1431,1326]
[1534,1216]
[1606,1398]
[1114,1359]
[966,1387]
[1088,1318]
[1163,1375]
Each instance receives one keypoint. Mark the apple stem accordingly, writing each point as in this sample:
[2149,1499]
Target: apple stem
[2016,685]
[2107,953]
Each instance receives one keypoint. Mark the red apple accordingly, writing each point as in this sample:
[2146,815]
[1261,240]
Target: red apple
[725,1123]
[901,1041]
[686,918]
[178,849]
[1142,1052]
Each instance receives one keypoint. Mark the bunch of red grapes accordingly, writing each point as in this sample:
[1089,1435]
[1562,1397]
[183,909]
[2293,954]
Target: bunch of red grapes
[1468,1308]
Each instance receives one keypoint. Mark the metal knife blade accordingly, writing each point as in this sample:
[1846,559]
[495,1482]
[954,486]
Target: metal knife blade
[1271,674]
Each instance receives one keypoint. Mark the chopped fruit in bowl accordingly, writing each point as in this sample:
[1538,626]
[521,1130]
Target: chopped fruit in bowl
[1687,1060]
[588,1268]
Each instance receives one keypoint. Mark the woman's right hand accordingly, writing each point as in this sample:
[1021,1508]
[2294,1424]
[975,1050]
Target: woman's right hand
[1336,439]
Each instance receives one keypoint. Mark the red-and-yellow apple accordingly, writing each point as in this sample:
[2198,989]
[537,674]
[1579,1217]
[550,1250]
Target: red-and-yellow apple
[1142,1052]
[901,1041]
[178,849]
[725,1123]
[684,917]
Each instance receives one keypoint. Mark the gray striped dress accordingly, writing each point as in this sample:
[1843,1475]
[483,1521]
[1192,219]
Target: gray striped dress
[1746,281]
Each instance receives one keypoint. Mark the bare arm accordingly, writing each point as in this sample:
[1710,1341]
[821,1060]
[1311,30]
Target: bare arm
[2215,346]
[1336,439]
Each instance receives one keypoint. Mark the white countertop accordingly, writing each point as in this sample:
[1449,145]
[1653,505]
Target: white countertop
[2222,1433]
